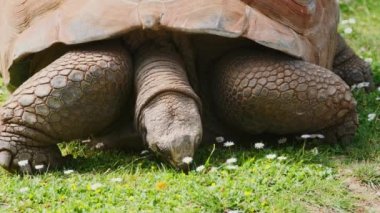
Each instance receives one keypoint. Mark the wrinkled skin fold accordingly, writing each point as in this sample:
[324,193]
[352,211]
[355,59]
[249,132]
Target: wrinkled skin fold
[85,92]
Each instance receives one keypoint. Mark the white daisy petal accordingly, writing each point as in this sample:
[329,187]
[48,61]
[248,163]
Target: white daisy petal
[214,169]
[86,141]
[116,180]
[234,211]
[348,30]
[259,145]
[368,60]
[96,186]
[67,172]
[99,145]
[39,167]
[231,161]
[24,189]
[200,168]
[282,140]
[282,158]
[320,136]
[228,144]
[362,85]
[23,162]
[232,167]
[271,156]
[219,139]
[371,116]
[312,136]
[144,152]
[352,21]
[187,160]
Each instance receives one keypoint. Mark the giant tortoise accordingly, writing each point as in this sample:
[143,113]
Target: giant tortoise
[164,74]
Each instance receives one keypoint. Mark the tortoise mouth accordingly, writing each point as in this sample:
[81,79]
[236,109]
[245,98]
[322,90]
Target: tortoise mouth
[167,156]
[178,152]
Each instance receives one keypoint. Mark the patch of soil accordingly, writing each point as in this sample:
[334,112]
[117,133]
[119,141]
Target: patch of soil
[368,198]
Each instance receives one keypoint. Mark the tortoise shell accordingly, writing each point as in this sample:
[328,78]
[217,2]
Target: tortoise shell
[306,29]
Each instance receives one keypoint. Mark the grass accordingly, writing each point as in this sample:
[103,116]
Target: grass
[311,178]
[257,184]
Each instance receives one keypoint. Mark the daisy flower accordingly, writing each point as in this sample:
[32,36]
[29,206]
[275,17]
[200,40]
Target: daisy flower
[282,140]
[67,172]
[271,156]
[371,116]
[219,139]
[231,161]
[348,30]
[24,189]
[200,168]
[228,144]
[187,160]
[259,145]
[23,162]
[96,186]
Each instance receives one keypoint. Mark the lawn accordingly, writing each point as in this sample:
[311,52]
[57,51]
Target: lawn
[295,176]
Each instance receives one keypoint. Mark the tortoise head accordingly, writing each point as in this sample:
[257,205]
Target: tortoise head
[173,134]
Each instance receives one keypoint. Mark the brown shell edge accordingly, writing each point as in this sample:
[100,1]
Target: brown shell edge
[30,26]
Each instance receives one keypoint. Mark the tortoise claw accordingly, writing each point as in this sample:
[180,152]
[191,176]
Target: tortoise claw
[29,159]
[5,159]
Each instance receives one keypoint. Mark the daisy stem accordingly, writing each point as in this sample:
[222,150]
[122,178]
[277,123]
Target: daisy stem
[209,157]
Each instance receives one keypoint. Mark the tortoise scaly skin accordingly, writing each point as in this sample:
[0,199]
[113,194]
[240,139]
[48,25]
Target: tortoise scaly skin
[78,95]
[86,90]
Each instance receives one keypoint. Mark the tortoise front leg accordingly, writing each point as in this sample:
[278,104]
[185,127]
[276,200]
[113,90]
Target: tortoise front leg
[350,67]
[78,95]
[269,92]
